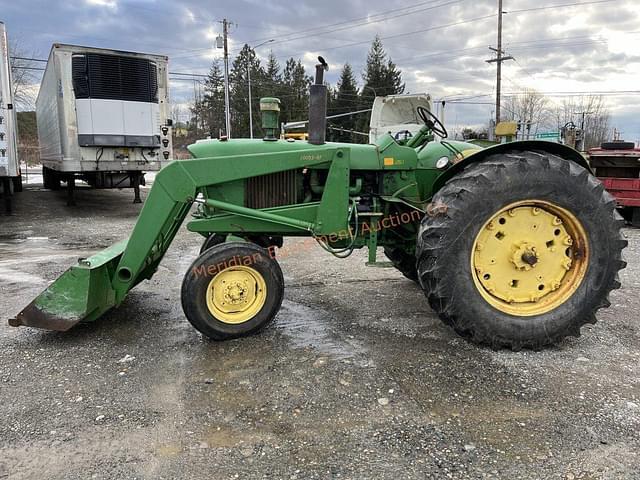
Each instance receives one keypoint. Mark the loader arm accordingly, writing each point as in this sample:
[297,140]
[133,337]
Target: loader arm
[98,283]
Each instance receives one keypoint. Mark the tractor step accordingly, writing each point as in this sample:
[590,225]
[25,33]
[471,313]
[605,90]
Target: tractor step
[380,264]
[82,293]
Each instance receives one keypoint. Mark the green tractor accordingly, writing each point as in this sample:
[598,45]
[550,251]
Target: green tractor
[517,245]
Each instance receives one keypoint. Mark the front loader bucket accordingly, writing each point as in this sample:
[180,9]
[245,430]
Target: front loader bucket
[82,293]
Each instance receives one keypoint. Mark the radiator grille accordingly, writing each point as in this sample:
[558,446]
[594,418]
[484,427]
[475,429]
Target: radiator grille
[114,77]
[273,190]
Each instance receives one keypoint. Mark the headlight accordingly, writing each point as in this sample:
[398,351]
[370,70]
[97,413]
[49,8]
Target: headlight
[442,163]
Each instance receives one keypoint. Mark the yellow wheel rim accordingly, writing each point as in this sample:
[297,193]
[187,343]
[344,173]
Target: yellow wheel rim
[236,295]
[529,258]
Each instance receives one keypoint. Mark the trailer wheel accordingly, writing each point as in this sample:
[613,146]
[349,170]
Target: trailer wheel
[404,262]
[17,184]
[635,217]
[232,290]
[50,179]
[526,250]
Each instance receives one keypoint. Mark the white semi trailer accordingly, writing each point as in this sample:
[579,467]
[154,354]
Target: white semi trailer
[103,117]
[10,179]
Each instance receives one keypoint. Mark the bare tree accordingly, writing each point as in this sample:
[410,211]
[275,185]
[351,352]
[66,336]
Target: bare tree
[176,112]
[529,108]
[593,111]
[25,79]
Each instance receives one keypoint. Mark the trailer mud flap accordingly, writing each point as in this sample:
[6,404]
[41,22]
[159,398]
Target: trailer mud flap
[81,294]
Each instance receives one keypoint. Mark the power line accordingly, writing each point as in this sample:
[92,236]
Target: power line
[424,30]
[360,22]
[202,75]
[21,67]
[533,9]
[463,22]
[368,18]
[29,59]
[368,22]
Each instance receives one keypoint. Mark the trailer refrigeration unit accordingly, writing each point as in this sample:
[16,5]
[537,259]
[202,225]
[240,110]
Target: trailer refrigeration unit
[103,117]
[10,179]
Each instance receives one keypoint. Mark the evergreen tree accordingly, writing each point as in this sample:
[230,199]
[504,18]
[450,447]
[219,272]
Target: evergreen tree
[345,100]
[381,77]
[239,92]
[381,74]
[296,85]
[272,70]
[273,85]
[211,108]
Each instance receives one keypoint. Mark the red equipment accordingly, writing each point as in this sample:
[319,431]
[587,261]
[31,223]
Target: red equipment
[617,165]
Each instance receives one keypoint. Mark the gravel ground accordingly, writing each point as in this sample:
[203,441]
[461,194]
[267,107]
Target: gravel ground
[357,378]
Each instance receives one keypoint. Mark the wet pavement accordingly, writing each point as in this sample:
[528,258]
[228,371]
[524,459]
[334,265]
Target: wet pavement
[356,378]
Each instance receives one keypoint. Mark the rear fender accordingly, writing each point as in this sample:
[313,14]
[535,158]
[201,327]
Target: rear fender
[558,149]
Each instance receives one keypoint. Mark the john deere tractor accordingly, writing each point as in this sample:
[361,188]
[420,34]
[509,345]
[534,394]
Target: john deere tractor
[517,245]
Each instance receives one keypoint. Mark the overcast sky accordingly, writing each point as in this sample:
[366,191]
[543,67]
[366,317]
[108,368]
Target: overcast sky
[440,45]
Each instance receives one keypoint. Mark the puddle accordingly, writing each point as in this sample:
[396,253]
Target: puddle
[19,254]
[311,327]
[11,276]
[12,238]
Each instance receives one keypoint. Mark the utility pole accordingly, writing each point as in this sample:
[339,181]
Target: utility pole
[224,43]
[196,101]
[581,142]
[250,100]
[498,61]
[583,114]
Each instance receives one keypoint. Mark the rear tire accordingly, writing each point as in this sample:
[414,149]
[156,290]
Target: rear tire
[447,249]
[232,290]
[404,262]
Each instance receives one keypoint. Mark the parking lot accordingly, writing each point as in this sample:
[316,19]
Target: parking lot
[357,377]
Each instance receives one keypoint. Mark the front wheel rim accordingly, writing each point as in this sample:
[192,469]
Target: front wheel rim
[236,295]
[529,258]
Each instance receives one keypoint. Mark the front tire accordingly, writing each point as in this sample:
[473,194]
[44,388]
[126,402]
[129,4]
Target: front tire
[527,249]
[403,262]
[211,241]
[232,290]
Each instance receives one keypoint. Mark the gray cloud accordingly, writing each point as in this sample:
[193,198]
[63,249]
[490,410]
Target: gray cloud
[565,49]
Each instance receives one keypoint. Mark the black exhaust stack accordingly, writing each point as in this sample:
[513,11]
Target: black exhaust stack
[318,106]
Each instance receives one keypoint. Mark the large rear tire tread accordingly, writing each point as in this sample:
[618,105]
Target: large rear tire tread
[445,242]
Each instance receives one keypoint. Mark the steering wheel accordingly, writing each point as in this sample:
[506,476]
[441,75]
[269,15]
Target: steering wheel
[433,122]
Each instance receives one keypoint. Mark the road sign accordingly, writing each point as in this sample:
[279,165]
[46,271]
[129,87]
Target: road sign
[548,135]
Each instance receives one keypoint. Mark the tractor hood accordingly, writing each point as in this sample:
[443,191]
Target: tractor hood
[363,157]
